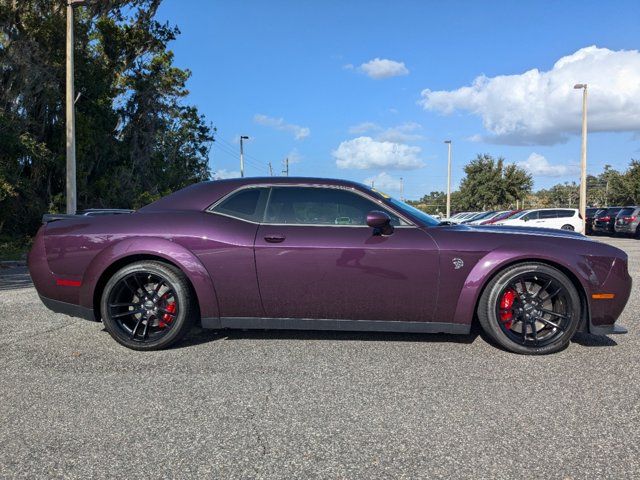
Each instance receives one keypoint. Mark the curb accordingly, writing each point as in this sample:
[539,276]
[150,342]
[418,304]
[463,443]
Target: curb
[12,263]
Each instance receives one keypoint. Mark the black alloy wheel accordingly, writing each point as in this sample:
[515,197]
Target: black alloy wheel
[147,305]
[530,308]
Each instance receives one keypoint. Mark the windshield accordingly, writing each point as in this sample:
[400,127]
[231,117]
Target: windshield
[519,214]
[413,212]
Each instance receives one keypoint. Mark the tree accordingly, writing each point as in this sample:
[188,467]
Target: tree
[432,203]
[136,138]
[489,183]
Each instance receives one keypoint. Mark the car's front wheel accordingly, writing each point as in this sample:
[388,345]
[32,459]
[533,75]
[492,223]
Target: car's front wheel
[530,308]
[147,305]
[568,227]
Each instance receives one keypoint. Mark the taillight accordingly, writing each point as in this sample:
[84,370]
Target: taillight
[605,219]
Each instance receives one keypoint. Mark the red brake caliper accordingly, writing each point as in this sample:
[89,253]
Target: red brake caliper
[167,317]
[506,305]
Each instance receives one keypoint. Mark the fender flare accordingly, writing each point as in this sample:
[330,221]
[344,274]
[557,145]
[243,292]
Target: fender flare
[501,257]
[168,250]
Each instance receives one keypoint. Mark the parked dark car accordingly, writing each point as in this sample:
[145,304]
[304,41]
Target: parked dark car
[591,215]
[479,216]
[605,220]
[311,253]
[628,221]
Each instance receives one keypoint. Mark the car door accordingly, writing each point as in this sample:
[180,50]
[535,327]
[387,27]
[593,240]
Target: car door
[530,219]
[546,219]
[316,258]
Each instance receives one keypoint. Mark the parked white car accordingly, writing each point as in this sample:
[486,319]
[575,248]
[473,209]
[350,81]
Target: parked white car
[561,218]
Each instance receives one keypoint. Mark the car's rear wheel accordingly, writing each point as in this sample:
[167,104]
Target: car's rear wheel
[147,305]
[530,308]
[568,227]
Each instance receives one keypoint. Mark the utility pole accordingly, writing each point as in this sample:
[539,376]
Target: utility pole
[448,142]
[71,190]
[270,170]
[242,137]
[583,157]
[286,167]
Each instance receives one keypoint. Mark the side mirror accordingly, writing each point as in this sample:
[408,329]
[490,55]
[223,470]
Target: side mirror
[525,219]
[380,222]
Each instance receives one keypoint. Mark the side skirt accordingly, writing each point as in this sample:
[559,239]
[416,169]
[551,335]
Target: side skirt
[68,309]
[326,324]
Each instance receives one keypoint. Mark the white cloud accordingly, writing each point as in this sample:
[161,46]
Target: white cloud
[363,127]
[279,124]
[542,107]
[384,181]
[365,152]
[222,174]
[383,68]
[399,134]
[538,165]
[294,156]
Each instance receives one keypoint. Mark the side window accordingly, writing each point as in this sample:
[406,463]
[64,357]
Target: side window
[566,213]
[547,214]
[247,204]
[319,206]
[531,215]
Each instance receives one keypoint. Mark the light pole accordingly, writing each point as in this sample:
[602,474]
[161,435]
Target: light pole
[70,112]
[583,157]
[242,137]
[448,142]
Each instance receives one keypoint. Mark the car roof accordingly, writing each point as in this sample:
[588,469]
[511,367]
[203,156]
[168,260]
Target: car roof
[201,195]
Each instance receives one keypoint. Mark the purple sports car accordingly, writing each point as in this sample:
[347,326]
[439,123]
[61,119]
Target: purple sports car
[310,253]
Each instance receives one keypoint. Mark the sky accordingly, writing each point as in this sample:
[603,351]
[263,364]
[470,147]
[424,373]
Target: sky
[369,90]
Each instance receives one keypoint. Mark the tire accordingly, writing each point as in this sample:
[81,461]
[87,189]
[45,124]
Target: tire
[148,305]
[552,333]
[637,234]
[568,227]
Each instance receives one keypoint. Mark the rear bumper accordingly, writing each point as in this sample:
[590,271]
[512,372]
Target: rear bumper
[68,309]
[602,228]
[625,229]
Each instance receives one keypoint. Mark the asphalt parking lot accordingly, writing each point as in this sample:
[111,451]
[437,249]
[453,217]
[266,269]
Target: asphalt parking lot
[254,404]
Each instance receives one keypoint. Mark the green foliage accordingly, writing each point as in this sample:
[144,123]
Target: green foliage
[432,203]
[489,183]
[136,139]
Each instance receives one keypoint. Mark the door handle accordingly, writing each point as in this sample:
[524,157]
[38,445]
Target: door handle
[274,238]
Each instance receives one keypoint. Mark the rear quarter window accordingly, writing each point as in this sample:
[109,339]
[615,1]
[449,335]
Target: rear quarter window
[247,204]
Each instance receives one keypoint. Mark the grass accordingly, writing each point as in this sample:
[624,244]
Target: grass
[12,248]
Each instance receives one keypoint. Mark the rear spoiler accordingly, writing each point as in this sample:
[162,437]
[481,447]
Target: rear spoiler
[90,212]
[52,217]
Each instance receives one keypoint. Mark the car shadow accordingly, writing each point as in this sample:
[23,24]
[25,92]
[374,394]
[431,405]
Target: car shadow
[200,335]
[588,340]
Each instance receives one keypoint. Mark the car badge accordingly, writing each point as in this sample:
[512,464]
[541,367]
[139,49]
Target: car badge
[457,263]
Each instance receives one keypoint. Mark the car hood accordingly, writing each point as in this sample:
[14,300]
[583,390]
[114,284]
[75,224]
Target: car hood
[518,230]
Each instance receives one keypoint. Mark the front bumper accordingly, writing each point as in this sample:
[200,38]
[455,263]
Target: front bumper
[608,330]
